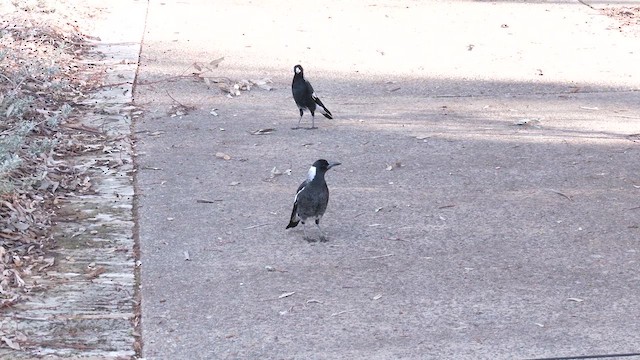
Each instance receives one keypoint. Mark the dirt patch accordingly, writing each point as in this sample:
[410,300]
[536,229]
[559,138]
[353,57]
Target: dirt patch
[628,17]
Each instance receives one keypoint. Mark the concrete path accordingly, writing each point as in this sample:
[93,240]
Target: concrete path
[486,207]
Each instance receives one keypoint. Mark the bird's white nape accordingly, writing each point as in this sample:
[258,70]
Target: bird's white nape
[312,173]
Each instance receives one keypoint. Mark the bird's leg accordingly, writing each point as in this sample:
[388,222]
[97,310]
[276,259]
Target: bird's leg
[313,122]
[299,120]
[304,231]
[322,237]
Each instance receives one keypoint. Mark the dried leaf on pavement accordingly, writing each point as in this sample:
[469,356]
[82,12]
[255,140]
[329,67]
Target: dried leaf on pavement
[262,131]
[263,83]
[395,165]
[96,272]
[215,63]
[287,294]
[48,262]
[11,343]
[223,156]
[528,122]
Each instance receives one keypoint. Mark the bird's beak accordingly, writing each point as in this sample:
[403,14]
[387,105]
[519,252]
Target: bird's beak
[333,164]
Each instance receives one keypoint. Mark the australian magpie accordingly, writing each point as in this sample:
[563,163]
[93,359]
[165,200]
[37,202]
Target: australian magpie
[312,197]
[306,98]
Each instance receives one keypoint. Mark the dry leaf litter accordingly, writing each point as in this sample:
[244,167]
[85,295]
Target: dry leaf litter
[43,78]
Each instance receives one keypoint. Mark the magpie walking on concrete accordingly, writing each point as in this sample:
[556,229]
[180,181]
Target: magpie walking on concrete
[306,98]
[312,198]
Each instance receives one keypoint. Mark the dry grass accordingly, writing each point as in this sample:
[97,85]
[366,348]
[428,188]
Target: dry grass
[42,78]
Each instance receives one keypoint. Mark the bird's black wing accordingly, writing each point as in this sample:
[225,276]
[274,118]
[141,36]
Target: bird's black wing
[309,87]
[294,220]
[318,102]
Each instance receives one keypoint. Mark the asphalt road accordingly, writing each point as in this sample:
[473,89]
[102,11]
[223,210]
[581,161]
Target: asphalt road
[486,206]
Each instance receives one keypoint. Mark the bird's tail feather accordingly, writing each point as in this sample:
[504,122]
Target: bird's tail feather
[294,220]
[324,110]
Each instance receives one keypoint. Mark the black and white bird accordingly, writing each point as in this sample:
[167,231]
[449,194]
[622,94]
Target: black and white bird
[306,98]
[312,198]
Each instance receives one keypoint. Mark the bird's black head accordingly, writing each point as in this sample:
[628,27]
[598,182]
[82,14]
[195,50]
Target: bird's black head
[319,168]
[324,165]
[298,69]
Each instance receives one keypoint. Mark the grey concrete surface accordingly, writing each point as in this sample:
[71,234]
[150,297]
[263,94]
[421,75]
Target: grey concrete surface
[485,240]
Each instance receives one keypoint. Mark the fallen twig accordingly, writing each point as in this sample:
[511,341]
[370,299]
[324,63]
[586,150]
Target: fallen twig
[96,272]
[176,101]
[204,201]
[588,5]
[281,296]
[341,312]
[9,80]
[82,128]
[561,194]
[446,206]
[395,239]
[30,318]
[256,226]
[10,302]
[376,257]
